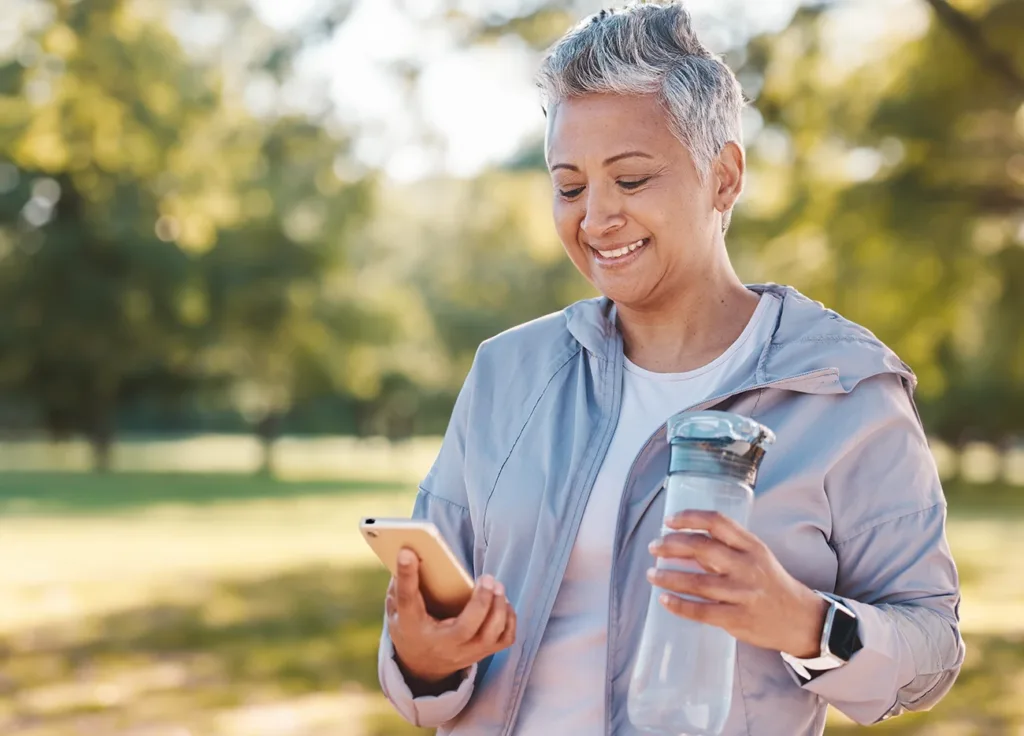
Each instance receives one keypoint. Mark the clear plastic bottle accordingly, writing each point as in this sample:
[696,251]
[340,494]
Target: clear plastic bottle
[683,676]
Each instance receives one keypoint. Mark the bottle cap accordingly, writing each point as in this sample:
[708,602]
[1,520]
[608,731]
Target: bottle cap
[717,443]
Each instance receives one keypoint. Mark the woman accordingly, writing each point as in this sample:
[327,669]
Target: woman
[548,483]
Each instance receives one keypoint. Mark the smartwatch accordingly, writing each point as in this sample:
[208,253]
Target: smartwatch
[840,640]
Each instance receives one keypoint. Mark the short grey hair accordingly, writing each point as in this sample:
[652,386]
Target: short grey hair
[650,48]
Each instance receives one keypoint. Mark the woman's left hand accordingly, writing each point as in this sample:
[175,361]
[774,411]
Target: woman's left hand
[747,592]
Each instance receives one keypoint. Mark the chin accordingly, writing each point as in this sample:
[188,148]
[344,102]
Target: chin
[634,298]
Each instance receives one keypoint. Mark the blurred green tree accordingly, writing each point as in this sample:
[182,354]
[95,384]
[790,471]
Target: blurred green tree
[172,226]
[886,183]
[157,237]
[283,303]
[95,107]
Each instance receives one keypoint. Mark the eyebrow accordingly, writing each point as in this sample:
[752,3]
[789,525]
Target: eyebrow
[607,161]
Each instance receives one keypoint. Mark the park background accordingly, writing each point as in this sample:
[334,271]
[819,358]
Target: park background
[247,251]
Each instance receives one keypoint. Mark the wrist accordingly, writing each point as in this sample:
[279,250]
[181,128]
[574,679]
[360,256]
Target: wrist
[427,682]
[806,642]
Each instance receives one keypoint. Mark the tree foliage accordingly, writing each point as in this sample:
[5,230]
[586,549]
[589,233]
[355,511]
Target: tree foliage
[167,242]
[889,188]
[156,239]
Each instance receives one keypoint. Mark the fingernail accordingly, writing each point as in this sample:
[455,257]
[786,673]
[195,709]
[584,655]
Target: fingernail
[663,598]
[406,557]
[499,589]
[487,583]
[651,574]
[654,546]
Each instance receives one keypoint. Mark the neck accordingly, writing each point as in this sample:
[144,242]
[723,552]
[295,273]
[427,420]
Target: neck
[691,326]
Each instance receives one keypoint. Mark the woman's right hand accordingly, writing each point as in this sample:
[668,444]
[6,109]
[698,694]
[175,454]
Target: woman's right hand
[432,651]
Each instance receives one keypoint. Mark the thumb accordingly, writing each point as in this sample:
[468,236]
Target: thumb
[407,585]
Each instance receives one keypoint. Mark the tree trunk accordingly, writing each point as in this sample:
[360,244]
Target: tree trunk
[101,446]
[101,438]
[267,430]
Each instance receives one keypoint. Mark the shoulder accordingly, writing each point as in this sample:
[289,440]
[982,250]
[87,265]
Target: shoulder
[811,337]
[513,370]
[533,349]
[805,320]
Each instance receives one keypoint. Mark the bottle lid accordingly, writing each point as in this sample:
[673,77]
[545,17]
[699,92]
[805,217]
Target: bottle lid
[719,443]
[718,426]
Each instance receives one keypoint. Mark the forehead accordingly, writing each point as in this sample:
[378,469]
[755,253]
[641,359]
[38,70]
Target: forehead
[605,124]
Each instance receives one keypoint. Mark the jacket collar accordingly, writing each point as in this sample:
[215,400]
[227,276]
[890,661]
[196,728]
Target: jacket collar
[809,341]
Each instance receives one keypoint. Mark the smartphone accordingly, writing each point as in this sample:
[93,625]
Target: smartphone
[444,582]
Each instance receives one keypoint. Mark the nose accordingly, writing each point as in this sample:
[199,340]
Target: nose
[603,214]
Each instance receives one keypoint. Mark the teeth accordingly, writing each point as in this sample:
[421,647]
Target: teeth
[619,252]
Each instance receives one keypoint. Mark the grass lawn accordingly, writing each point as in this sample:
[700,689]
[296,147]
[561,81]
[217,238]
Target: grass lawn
[163,605]
[87,494]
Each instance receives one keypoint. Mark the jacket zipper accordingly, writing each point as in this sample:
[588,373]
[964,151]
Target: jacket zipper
[594,467]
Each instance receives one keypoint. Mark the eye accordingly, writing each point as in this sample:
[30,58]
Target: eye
[636,184]
[570,193]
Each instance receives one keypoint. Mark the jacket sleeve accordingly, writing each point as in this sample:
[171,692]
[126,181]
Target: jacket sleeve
[895,568]
[442,499]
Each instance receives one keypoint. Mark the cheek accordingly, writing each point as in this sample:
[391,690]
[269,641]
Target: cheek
[567,222]
[656,211]
[691,212]
[567,217]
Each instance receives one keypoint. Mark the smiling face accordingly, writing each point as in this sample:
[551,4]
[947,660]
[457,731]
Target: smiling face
[629,206]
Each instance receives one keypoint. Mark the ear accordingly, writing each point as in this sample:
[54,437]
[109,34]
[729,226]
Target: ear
[727,176]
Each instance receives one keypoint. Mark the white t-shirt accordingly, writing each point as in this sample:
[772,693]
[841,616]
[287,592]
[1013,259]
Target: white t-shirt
[566,691]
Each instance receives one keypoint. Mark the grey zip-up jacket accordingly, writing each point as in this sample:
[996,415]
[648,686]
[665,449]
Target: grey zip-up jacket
[848,499]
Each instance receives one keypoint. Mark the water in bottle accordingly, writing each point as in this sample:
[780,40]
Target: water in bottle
[683,676]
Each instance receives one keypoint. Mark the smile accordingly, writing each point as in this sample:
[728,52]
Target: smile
[622,252]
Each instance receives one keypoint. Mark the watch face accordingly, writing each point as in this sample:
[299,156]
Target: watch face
[844,638]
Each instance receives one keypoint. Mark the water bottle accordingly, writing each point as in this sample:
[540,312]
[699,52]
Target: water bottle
[682,680]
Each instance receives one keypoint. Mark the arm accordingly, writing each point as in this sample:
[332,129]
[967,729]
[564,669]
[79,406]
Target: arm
[442,499]
[895,568]
[422,705]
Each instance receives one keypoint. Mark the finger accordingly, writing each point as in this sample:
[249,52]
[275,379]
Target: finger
[468,623]
[710,587]
[493,626]
[508,636]
[408,599]
[714,614]
[712,554]
[719,526]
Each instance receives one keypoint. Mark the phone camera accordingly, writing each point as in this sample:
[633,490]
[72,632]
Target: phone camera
[372,534]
